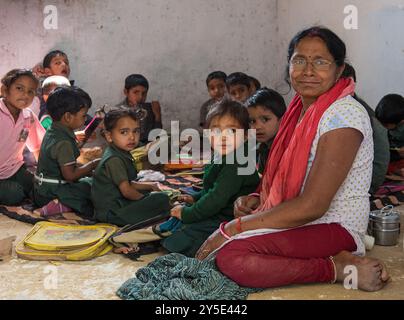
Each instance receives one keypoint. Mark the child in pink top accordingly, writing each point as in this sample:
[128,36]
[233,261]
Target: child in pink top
[19,127]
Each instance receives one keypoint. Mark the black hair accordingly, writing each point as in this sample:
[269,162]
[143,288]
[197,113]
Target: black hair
[84,95]
[65,99]
[257,84]
[48,58]
[238,78]
[232,108]
[216,75]
[112,117]
[349,72]
[270,99]
[134,80]
[334,45]
[11,76]
[390,109]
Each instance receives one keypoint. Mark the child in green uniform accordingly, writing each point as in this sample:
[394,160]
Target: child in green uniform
[58,175]
[222,182]
[390,112]
[265,108]
[117,198]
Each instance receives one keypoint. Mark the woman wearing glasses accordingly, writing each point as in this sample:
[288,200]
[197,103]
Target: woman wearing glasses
[309,218]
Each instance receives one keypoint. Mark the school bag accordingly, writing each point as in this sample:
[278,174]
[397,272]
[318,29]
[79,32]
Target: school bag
[54,241]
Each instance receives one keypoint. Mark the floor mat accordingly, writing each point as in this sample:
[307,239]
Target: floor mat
[178,182]
[390,193]
[23,215]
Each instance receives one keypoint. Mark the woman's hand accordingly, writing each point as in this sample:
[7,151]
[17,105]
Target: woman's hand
[176,212]
[244,205]
[211,244]
[186,198]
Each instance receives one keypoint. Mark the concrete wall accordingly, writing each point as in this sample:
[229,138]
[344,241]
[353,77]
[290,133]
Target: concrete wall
[375,49]
[175,44]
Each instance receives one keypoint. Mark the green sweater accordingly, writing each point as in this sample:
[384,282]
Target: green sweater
[222,185]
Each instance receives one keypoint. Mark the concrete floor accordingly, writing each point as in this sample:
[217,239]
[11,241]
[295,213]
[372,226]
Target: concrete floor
[100,278]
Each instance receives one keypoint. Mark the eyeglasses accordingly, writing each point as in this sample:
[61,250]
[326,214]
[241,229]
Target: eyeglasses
[317,64]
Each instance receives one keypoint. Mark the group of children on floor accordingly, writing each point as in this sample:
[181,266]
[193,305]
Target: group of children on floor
[106,188]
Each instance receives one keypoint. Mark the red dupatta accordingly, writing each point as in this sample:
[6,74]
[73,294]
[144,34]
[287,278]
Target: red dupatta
[287,164]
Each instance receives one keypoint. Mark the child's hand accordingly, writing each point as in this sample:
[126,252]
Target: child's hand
[38,70]
[80,135]
[176,212]
[186,198]
[155,187]
[149,145]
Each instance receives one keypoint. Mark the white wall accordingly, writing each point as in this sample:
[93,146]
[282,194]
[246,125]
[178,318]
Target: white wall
[375,49]
[174,43]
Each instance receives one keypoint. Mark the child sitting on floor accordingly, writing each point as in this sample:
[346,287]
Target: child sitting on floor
[390,112]
[19,128]
[136,88]
[60,185]
[265,108]
[239,86]
[216,83]
[117,198]
[222,182]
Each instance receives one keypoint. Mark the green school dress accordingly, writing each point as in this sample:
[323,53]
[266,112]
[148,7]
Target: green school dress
[222,185]
[13,190]
[59,148]
[110,205]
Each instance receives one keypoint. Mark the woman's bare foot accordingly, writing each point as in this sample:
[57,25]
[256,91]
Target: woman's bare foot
[372,273]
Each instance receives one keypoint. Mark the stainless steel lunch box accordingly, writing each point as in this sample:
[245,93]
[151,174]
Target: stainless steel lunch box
[384,226]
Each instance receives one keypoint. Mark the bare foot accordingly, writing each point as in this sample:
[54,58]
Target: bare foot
[372,273]
[124,250]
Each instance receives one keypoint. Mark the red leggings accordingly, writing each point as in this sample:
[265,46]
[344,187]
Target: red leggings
[294,256]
